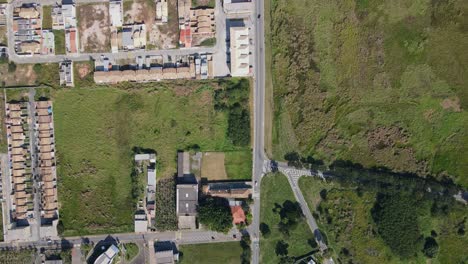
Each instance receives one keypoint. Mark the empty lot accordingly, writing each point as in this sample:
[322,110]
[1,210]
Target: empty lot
[94,27]
[96,130]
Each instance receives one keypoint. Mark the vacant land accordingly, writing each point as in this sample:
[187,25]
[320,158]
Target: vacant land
[345,214]
[228,253]
[59,36]
[380,83]
[94,26]
[83,72]
[203,3]
[17,75]
[163,36]
[275,192]
[17,257]
[3,36]
[238,164]
[235,165]
[97,129]
[212,167]
[47,17]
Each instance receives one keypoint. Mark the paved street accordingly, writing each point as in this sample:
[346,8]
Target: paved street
[259,114]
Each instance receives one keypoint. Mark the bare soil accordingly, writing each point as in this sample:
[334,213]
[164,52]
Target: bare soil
[451,103]
[94,27]
[213,166]
[24,75]
[83,70]
[3,36]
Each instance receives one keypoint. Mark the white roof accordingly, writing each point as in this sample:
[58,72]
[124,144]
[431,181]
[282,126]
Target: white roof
[151,177]
[240,58]
[115,12]
[107,256]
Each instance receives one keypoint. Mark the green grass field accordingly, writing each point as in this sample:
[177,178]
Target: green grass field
[47,17]
[381,83]
[59,36]
[238,164]
[276,190]
[132,251]
[227,253]
[96,130]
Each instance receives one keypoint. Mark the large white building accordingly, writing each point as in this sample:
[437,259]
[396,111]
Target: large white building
[240,58]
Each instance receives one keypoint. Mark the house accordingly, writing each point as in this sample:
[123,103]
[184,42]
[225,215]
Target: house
[166,257]
[116,13]
[108,256]
[69,14]
[238,215]
[161,11]
[186,193]
[240,190]
[183,164]
[236,8]
[66,73]
[141,222]
[202,22]
[240,49]
[166,252]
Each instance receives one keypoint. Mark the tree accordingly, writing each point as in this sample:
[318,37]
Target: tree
[246,251]
[215,214]
[397,223]
[265,230]
[281,248]
[430,247]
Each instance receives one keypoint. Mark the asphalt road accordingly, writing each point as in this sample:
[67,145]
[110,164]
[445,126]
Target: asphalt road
[259,122]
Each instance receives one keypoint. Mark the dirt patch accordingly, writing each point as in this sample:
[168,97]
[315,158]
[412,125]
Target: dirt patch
[451,103]
[213,166]
[83,70]
[390,146]
[23,75]
[3,35]
[94,27]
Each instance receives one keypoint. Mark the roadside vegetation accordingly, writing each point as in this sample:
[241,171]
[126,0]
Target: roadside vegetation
[131,251]
[387,224]
[17,256]
[97,129]
[379,83]
[284,231]
[228,253]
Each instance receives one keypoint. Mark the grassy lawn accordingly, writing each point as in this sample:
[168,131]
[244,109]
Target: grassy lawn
[276,190]
[47,17]
[132,251]
[3,35]
[59,36]
[228,253]
[380,83]
[238,164]
[96,131]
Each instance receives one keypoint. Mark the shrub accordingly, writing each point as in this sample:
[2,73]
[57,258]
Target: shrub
[430,247]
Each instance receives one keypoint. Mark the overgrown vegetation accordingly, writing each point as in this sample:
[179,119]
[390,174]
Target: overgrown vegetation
[131,251]
[47,74]
[285,233]
[17,257]
[392,224]
[215,214]
[380,83]
[233,98]
[165,202]
[47,17]
[96,130]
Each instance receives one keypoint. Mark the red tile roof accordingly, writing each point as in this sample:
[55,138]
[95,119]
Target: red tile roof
[238,215]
